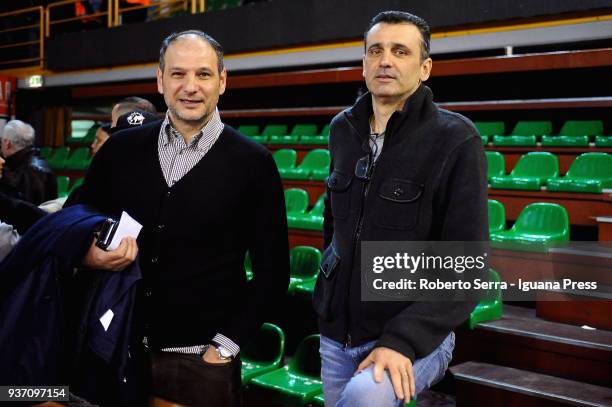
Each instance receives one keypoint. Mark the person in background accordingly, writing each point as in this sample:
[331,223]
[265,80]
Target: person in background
[24,172]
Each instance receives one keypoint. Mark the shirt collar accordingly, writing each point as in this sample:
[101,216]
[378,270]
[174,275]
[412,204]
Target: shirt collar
[211,130]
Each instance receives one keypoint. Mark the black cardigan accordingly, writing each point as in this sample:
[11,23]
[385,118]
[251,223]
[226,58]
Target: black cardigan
[196,234]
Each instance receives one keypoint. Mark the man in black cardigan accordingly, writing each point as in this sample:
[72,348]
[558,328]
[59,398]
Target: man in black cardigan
[205,195]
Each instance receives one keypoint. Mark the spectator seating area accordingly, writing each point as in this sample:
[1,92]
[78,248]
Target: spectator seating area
[573,133]
[278,134]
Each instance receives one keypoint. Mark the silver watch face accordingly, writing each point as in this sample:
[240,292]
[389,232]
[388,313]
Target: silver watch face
[224,353]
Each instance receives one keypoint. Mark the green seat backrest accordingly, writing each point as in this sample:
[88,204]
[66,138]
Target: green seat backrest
[497,216]
[80,154]
[306,360]
[491,128]
[77,183]
[319,206]
[285,158]
[304,261]
[492,293]
[543,218]
[304,130]
[268,345]
[62,184]
[324,130]
[274,130]
[536,128]
[296,200]
[60,153]
[496,164]
[248,130]
[316,159]
[582,128]
[46,152]
[591,165]
[536,164]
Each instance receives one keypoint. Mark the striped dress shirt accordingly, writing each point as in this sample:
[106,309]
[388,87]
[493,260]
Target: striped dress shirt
[176,159]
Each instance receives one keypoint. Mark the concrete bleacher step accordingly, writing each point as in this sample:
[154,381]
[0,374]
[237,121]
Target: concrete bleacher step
[482,384]
[523,341]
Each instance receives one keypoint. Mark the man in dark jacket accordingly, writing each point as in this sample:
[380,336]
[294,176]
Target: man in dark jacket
[26,173]
[402,170]
[205,195]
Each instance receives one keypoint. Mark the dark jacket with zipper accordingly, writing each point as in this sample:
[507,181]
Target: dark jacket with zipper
[429,184]
[30,175]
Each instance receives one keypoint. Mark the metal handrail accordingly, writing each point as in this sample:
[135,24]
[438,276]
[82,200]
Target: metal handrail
[41,36]
[118,10]
[50,7]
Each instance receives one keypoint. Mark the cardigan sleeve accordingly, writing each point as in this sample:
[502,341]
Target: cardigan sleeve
[269,250]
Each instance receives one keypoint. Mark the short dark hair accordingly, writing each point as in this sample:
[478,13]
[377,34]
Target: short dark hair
[132,103]
[402,17]
[175,36]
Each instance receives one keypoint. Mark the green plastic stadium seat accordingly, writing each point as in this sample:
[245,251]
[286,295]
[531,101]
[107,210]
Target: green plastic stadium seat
[590,172]
[530,172]
[57,161]
[271,130]
[496,164]
[315,165]
[46,152]
[62,185]
[79,159]
[321,139]
[264,354]
[485,140]
[248,130]
[490,306]
[285,159]
[248,268]
[574,133]
[312,220]
[305,289]
[296,201]
[76,184]
[297,383]
[491,128]
[525,133]
[304,262]
[497,216]
[603,141]
[298,131]
[537,227]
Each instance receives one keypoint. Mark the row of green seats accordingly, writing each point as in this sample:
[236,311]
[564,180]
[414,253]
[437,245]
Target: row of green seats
[314,165]
[298,383]
[304,268]
[538,226]
[588,173]
[83,131]
[63,185]
[574,133]
[60,158]
[296,201]
[305,134]
[212,5]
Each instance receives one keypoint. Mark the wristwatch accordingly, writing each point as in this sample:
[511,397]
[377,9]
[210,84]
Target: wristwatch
[223,353]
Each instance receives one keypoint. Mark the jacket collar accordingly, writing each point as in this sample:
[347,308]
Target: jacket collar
[418,107]
[20,157]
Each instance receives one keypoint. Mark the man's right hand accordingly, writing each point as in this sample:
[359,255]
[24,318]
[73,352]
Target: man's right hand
[115,260]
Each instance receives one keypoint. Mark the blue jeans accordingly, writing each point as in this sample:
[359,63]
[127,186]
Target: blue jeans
[342,389]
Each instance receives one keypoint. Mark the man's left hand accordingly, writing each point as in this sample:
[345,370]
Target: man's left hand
[399,367]
[211,356]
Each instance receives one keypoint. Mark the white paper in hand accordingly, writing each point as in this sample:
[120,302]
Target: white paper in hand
[127,227]
[106,319]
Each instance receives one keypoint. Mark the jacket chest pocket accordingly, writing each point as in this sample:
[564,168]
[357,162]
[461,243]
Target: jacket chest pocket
[397,204]
[338,184]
